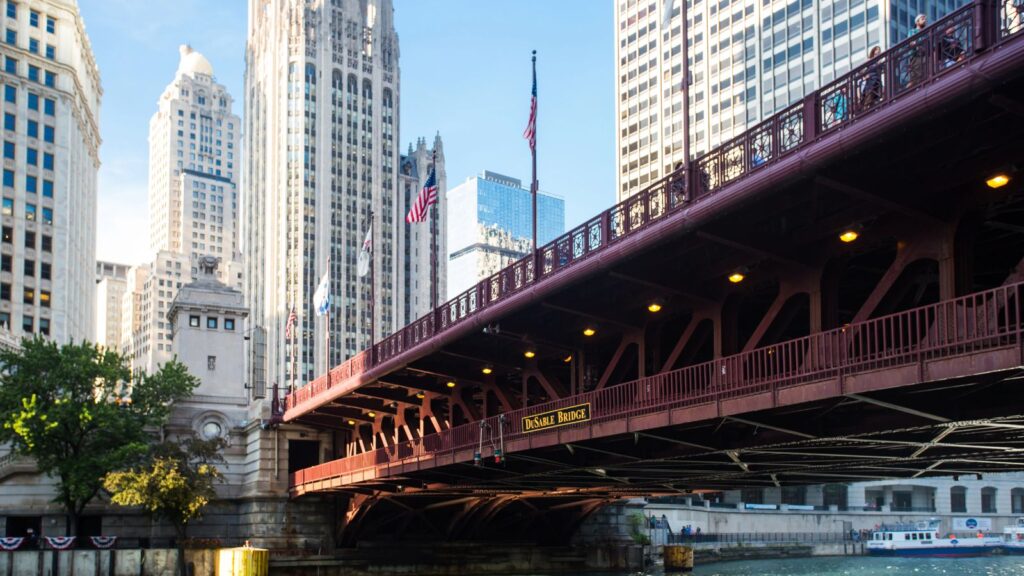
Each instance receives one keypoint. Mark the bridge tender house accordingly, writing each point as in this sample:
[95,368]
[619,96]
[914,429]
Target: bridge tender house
[556,418]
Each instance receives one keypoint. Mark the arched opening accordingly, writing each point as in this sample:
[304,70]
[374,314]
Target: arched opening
[1017,501]
[958,499]
[988,500]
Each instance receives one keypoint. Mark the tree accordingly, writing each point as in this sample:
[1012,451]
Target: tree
[74,409]
[175,485]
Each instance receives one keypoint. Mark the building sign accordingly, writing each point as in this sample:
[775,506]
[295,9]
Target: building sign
[972,524]
[556,418]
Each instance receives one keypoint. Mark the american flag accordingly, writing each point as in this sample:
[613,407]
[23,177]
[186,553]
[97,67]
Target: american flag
[531,126]
[291,324]
[427,196]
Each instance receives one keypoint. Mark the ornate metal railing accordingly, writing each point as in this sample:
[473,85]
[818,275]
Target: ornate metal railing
[974,323]
[949,43]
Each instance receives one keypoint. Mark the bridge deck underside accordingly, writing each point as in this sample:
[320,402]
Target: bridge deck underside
[921,177]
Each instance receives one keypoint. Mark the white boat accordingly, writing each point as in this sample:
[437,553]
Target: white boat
[1013,537]
[925,538]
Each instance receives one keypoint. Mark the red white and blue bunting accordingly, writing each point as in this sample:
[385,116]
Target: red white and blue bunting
[60,542]
[103,542]
[8,544]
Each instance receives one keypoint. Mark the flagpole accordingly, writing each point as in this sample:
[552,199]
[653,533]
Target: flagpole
[433,235]
[327,337]
[295,330]
[373,293]
[534,186]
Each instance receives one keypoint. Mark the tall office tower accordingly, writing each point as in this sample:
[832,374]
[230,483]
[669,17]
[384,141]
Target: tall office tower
[414,240]
[111,281]
[495,216]
[321,129]
[51,111]
[194,144]
[748,60]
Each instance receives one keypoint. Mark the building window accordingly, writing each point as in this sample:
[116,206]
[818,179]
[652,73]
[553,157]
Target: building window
[48,188]
[49,105]
[9,150]
[26,323]
[12,36]
[988,500]
[33,101]
[10,65]
[12,10]
[211,363]
[6,263]
[33,45]
[48,134]
[51,25]
[44,298]
[10,94]
[958,499]
[33,129]
[50,79]
[211,322]
[29,297]
[47,215]
[32,156]
[8,208]
[30,239]
[30,184]
[33,73]
[229,323]
[8,235]
[9,178]
[47,243]
[44,326]
[30,212]
[44,270]
[10,122]
[47,161]
[5,320]
[30,268]
[51,52]
[33,19]
[193,321]
[5,291]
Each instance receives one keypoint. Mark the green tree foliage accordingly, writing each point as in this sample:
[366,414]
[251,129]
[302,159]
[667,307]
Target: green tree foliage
[174,485]
[74,409]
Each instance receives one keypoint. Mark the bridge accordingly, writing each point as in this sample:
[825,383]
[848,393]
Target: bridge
[834,295]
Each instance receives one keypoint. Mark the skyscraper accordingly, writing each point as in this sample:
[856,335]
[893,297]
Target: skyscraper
[51,143]
[495,216]
[321,126]
[194,143]
[748,60]
[111,281]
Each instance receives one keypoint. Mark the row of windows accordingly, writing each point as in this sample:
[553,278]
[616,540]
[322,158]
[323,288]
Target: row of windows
[211,322]
[31,211]
[31,155]
[27,323]
[31,184]
[28,295]
[31,128]
[28,268]
[46,241]
[49,105]
[33,18]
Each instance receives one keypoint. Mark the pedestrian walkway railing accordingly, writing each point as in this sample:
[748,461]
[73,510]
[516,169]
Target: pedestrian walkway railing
[977,322]
[761,538]
[950,43]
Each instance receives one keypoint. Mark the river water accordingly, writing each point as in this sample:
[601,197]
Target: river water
[869,566]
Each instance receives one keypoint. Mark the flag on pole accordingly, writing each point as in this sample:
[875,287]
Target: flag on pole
[531,125]
[363,264]
[322,296]
[666,13]
[290,326]
[427,196]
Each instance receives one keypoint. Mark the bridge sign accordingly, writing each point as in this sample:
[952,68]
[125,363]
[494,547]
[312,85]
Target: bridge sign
[556,418]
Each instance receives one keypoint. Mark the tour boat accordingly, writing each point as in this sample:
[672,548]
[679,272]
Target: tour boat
[925,539]
[1013,538]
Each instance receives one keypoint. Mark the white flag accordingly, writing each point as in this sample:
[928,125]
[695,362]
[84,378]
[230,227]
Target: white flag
[322,296]
[666,13]
[363,264]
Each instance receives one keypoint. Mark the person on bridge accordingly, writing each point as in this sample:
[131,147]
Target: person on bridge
[871,87]
[919,51]
[951,50]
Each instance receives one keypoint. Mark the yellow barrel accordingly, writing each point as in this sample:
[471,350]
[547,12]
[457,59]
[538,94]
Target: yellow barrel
[243,561]
[678,558]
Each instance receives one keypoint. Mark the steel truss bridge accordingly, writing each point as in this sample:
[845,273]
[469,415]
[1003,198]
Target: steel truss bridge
[895,354]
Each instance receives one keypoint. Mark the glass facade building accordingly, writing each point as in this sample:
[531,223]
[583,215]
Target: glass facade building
[748,60]
[492,227]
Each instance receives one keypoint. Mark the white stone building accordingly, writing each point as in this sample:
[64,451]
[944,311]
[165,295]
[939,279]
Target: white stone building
[322,133]
[146,335]
[51,104]
[111,281]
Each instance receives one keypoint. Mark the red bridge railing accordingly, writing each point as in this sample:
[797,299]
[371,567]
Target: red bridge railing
[946,45]
[973,323]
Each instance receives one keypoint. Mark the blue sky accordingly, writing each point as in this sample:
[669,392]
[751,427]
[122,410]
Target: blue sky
[465,72]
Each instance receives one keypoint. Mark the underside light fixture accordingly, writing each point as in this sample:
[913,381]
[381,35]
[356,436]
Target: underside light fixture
[450,383]
[654,307]
[351,422]
[567,359]
[487,370]
[371,414]
[421,395]
[997,181]
[738,275]
[530,353]
[850,233]
[589,331]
